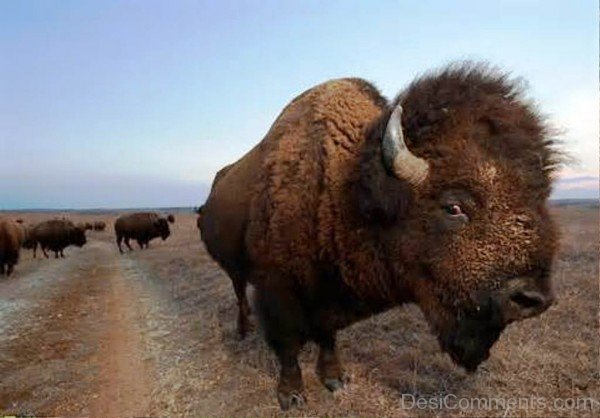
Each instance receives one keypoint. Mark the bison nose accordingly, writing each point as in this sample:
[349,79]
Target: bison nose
[529,299]
[526,303]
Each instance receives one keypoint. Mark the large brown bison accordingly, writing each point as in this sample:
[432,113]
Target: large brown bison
[352,205]
[56,235]
[142,227]
[12,237]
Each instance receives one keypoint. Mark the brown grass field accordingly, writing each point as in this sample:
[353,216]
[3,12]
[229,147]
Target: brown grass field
[152,333]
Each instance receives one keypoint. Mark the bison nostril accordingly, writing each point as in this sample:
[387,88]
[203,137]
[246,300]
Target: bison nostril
[528,299]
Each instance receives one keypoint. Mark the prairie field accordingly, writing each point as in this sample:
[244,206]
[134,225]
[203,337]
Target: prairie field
[152,333]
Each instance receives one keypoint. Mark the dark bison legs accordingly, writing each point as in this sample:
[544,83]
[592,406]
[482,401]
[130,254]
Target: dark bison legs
[8,269]
[329,368]
[285,329]
[127,243]
[119,240]
[44,251]
[140,243]
[243,322]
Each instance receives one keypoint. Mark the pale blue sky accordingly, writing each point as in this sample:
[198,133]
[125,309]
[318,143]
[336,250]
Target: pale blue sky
[139,103]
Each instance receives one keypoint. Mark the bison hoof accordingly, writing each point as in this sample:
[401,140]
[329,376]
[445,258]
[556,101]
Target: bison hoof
[289,400]
[245,329]
[334,384]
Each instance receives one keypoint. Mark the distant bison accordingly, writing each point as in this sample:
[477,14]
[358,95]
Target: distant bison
[142,227]
[11,239]
[99,226]
[171,218]
[352,205]
[56,235]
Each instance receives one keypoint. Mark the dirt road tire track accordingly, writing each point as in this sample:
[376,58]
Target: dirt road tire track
[72,345]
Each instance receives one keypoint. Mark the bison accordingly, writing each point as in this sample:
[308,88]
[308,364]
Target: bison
[352,205]
[56,235]
[142,227]
[99,226]
[12,237]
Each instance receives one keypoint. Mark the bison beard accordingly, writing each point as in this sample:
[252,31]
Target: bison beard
[350,206]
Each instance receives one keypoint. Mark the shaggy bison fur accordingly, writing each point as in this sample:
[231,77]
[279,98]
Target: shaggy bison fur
[142,227]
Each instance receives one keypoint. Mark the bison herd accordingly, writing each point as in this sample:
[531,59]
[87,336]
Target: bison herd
[57,234]
[353,204]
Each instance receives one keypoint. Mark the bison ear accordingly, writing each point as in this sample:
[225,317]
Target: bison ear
[381,197]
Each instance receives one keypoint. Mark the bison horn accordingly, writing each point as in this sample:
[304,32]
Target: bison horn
[397,157]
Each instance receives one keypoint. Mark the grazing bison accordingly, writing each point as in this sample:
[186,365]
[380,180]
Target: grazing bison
[56,235]
[142,227]
[99,226]
[12,236]
[352,205]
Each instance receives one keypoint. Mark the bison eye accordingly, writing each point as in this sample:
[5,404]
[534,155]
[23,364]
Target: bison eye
[453,210]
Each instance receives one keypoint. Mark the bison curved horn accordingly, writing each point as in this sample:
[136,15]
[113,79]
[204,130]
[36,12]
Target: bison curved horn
[397,157]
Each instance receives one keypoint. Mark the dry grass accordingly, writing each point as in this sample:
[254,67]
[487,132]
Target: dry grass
[203,369]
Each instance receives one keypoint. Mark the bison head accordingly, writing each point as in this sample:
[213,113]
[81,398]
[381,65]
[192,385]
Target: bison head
[162,227]
[77,236]
[466,226]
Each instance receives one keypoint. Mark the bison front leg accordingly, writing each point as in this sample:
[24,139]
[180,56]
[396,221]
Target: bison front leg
[44,251]
[119,240]
[285,329]
[127,243]
[140,244]
[329,368]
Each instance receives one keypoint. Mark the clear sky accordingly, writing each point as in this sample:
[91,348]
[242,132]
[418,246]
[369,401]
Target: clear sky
[139,103]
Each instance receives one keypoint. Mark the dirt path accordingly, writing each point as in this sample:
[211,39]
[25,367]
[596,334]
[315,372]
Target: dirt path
[72,341]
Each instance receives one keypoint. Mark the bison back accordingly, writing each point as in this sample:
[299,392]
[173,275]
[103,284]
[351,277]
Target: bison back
[225,214]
